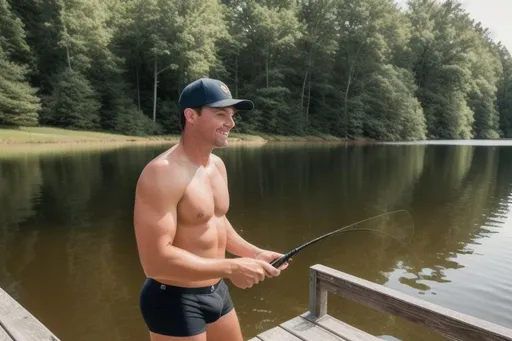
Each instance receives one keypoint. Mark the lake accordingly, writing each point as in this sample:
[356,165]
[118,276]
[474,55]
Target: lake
[68,252]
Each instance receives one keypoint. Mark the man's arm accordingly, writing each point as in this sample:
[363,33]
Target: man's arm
[159,189]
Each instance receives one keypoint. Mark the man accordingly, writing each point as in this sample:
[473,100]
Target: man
[182,230]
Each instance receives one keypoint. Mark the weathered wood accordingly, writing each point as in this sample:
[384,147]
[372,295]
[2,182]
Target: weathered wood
[317,296]
[451,324]
[309,331]
[311,328]
[19,323]
[340,328]
[3,335]
[277,334]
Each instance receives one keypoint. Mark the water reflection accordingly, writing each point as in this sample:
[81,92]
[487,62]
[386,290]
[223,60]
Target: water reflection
[19,188]
[68,251]
[461,193]
[455,196]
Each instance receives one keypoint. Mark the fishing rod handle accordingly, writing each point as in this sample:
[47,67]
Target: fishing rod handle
[278,262]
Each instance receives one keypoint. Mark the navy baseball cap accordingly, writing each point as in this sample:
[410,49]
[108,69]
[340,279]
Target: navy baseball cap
[212,93]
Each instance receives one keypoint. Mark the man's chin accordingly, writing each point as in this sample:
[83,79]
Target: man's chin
[221,144]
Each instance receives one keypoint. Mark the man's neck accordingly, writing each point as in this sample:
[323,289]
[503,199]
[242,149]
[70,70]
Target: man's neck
[197,152]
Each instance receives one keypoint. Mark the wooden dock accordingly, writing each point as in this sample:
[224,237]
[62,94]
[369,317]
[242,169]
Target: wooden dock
[17,324]
[316,324]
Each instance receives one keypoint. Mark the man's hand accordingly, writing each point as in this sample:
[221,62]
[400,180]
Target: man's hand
[270,256]
[249,271]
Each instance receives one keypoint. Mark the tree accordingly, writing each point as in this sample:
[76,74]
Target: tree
[73,102]
[441,46]
[504,94]
[19,104]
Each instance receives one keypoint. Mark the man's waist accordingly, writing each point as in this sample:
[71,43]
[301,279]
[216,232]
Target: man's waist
[204,289]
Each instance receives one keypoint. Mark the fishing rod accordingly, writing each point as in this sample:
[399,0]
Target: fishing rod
[283,259]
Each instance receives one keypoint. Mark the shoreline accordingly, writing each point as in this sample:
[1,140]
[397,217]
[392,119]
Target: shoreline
[50,136]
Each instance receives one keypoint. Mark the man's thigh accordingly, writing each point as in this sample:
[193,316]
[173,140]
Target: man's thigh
[226,328]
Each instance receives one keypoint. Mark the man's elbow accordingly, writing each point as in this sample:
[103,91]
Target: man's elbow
[160,262]
[154,263]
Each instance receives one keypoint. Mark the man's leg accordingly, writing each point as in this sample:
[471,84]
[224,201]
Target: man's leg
[159,337]
[227,328]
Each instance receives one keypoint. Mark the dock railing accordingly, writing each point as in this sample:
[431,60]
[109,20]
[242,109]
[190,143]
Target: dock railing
[449,323]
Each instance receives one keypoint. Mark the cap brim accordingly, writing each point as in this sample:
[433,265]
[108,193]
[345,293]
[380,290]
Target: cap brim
[239,104]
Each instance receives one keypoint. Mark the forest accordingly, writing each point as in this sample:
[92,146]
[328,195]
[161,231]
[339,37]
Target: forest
[346,68]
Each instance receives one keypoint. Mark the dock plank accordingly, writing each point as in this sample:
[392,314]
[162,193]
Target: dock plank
[21,324]
[340,328]
[277,334]
[308,331]
[3,335]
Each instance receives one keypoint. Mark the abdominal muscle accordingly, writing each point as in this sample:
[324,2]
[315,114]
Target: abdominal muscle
[207,240]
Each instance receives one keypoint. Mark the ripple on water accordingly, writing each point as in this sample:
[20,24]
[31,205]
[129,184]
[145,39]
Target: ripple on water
[482,287]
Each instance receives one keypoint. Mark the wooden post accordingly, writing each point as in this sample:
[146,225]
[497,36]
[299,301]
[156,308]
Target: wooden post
[317,295]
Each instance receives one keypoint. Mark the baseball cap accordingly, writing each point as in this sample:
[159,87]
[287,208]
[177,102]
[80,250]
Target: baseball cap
[210,92]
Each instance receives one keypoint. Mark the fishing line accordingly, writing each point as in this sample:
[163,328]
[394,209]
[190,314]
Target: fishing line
[283,259]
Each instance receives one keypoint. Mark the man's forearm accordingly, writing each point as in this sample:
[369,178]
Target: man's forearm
[238,246]
[175,263]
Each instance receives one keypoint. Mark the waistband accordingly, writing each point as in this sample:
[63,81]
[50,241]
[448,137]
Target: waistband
[183,290]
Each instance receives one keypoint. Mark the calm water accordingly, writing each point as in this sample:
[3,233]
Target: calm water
[67,249]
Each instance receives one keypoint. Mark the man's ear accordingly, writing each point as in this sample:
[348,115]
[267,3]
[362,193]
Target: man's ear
[190,115]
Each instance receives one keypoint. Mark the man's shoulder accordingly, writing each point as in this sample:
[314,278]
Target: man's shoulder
[216,160]
[161,174]
[219,163]
[165,163]
[159,167]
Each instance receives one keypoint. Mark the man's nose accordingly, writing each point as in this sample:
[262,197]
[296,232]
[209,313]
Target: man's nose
[231,122]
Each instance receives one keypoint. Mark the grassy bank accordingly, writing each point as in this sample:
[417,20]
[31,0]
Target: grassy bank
[38,135]
[45,135]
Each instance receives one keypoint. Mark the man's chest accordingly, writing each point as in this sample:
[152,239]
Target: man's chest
[206,196]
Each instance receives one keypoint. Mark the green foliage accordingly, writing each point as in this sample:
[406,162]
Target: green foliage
[504,96]
[170,121]
[12,37]
[272,115]
[19,104]
[84,32]
[392,110]
[73,102]
[134,122]
[351,68]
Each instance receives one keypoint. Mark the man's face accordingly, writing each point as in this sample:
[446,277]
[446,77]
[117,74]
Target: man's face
[214,124]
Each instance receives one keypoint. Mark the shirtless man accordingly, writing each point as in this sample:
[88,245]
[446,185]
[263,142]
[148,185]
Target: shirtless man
[183,233]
